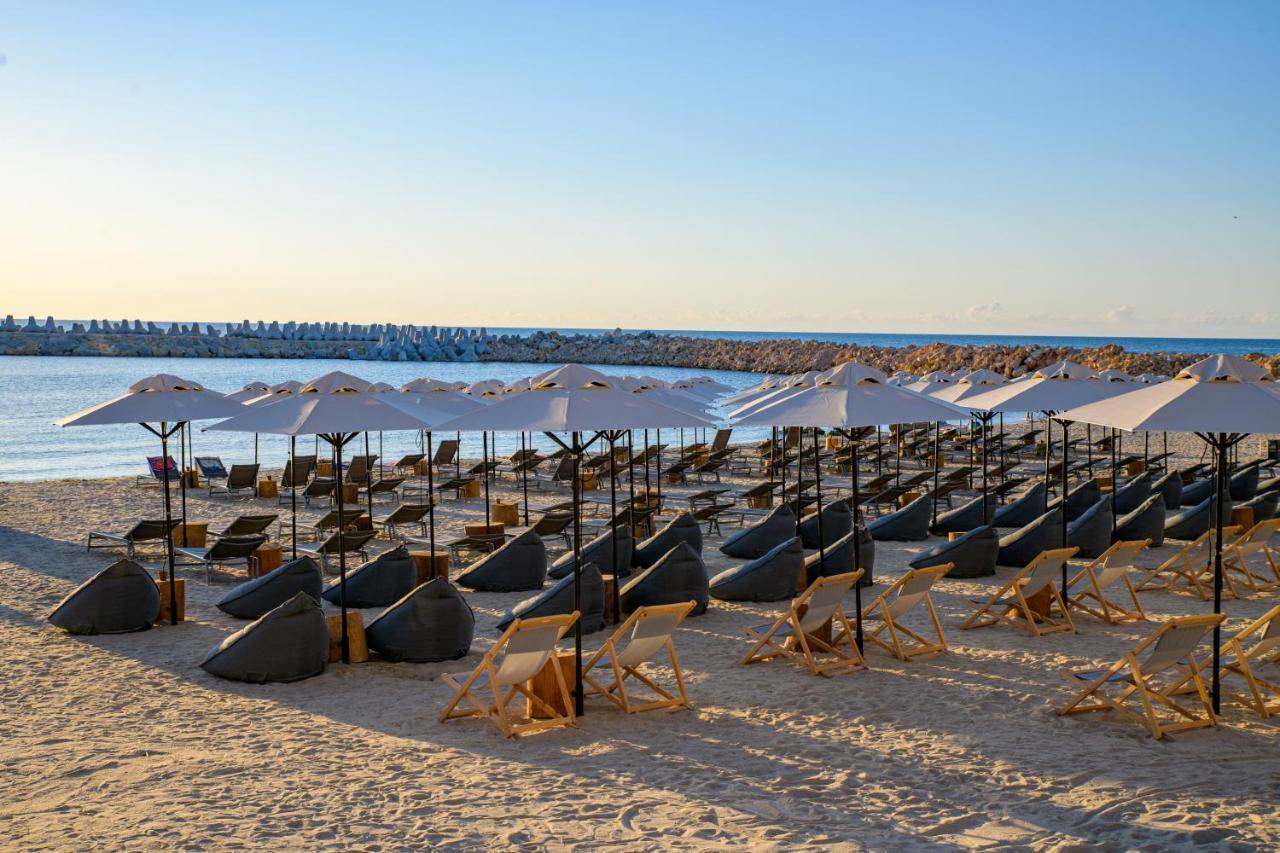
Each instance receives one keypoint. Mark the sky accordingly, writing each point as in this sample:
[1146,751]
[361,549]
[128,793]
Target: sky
[958,167]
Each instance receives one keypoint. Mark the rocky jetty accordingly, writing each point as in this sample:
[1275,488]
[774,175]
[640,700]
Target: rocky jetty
[403,342]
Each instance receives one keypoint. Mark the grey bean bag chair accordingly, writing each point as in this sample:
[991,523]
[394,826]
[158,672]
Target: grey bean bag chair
[518,566]
[772,577]
[1023,509]
[1080,499]
[1170,486]
[431,623]
[1091,532]
[682,528]
[1196,493]
[838,559]
[119,599]
[1021,547]
[761,537]
[289,643]
[1267,486]
[558,599]
[383,580]
[1244,483]
[837,521]
[909,524]
[1145,522]
[255,597]
[1131,495]
[1192,523]
[1264,506]
[974,554]
[965,517]
[600,552]
[679,575]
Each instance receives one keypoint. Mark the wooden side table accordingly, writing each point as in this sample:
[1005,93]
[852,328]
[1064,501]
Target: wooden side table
[470,490]
[610,583]
[1242,516]
[430,564]
[267,557]
[479,528]
[544,686]
[356,645]
[507,512]
[350,493]
[163,618]
[197,534]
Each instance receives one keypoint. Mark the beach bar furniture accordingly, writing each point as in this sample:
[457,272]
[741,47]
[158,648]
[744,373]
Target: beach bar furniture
[1017,599]
[804,632]
[890,608]
[147,530]
[645,633]
[1089,589]
[1250,653]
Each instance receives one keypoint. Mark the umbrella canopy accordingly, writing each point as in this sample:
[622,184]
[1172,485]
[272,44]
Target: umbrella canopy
[486,388]
[249,392]
[331,404]
[970,385]
[763,387]
[787,388]
[1050,389]
[162,398]
[930,382]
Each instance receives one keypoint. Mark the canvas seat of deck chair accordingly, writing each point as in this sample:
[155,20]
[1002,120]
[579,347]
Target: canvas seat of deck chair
[645,633]
[795,634]
[889,608]
[1191,568]
[146,530]
[1087,591]
[241,478]
[503,675]
[1155,680]
[1254,542]
[342,541]
[1010,602]
[1248,654]
[221,552]
[211,467]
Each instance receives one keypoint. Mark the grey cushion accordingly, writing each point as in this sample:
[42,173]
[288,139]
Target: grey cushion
[770,577]
[1080,499]
[909,524]
[558,599]
[761,537]
[683,528]
[1022,510]
[431,623]
[120,598]
[600,552]
[1194,522]
[973,553]
[1145,522]
[288,643]
[1244,483]
[384,579]
[1264,506]
[1271,485]
[837,521]
[1197,492]
[1021,547]
[1170,486]
[965,517]
[1132,494]
[518,566]
[679,575]
[255,597]
[838,559]
[1091,532]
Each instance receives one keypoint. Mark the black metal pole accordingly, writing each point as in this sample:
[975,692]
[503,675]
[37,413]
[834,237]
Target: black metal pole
[612,436]
[1001,443]
[1048,466]
[1220,444]
[817,485]
[1066,426]
[368,479]
[648,483]
[431,499]
[182,476]
[524,477]
[484,474]
[937,452]
[293,496]
[657,471]
[337,440]
[985,417]
[857,545]
[164,432]
[577,574]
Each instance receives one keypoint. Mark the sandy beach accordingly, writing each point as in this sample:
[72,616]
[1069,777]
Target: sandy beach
[123,741]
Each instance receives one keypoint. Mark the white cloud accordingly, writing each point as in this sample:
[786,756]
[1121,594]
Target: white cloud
[984,312]
[1122,314]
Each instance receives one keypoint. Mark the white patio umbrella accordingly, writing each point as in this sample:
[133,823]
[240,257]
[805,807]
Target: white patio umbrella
[575,399]
[336,407]
[1221,399]
[933,381]
[744,396]
[847,397]
[958,392]
[248,392]
[169,402]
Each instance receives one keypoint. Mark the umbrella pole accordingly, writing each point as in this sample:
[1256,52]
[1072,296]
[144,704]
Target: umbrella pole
[164,433]
[1066,426]
[612,436]
[897,463]
[380,457]
[1219,443]
[817,485]
[431,499]
[576,453]
[182,476]
[648,483]
[1002,459]
[937,450]
[255,448]
[784,466]
[484,474]
[293,496]
[524,477]
[857,546]
[657,472]
[879,452]
[337,440]
[631,473]
[1048,457]
[368,479]
[986,419]
[457,457]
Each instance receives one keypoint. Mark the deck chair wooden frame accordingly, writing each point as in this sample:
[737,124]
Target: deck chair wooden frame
[629,648]
[1172,650]
[1253,542]
[1009,603]
[797,627]
[1111,568]
[904,595]
[1192,568]
[1241,660]
[505,670]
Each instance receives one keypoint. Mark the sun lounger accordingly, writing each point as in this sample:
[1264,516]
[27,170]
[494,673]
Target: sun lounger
[386,489]
[903,596]
[344,542]
[446,454]
[1256,542]
[408,462]
[330,522]
[157,470]
[360,469]
[211,467]
[1191,568]
[297,472]
[798,633]
[1088,589]
[1170,654]
[147,530]
[1247,654]
[222,552]
[502,674]
[320,487]
[455,485]
[241,478]
[246,525]
[645,633]
[405,515]
[1010,603]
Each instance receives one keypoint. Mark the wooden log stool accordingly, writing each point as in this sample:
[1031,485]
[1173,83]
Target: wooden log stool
[350,493]
[506,512]
[544,686]
[470,490]
[430,564]
[268,488]
[197,534]
[356,645]
[479,528]
[267,557]
[1242,516]
[163,584]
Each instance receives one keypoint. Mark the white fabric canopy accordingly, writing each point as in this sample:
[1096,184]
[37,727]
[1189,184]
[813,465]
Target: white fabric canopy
[162,398]
[334,403]
[1054,388]
[249,392]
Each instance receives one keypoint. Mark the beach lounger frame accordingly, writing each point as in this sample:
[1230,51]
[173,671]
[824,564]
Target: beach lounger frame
[1009,603]
[1253,542]
[1107,571]
[1191,568]
[805,614]
[1240,662]
[644,634]
[904,595]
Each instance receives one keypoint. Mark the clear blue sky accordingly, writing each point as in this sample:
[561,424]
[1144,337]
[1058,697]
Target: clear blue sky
[1000,167]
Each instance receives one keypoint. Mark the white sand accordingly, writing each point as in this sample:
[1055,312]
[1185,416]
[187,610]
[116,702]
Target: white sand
[124,742]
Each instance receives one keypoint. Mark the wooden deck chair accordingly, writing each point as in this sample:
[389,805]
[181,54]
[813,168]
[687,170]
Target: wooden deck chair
[1170,651]
[1252,543]
[1191,568]
[1244,658]
[795,634]
[1009,603]
[1088,589]
[519,654]
[906,594]
[646,632]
